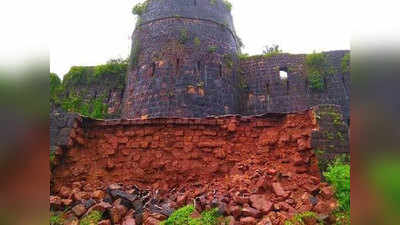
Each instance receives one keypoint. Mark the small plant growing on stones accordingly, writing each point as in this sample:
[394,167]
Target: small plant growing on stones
[184,36]
[197,42]
[93,218]
[346,63]
[317,69]
[272,50]
[56,219]
[212,49]
[302,218]
[182,216]
[213,2]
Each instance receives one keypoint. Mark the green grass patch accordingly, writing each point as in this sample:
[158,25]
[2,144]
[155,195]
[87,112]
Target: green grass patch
[300,218]
[182,216]
[56,218]
[338,175]
[93,218]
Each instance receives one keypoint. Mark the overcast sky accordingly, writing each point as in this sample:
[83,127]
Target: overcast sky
[90,32]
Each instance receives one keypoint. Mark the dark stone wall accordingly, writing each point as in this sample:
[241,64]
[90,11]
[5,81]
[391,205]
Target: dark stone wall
[213,10]
[61,125]
[266,92]
[331,139]
[182,67]
[109,88]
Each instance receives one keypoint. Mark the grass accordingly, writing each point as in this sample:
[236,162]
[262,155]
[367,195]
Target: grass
[182,216]
[299,218]
[93,218]
[56,218]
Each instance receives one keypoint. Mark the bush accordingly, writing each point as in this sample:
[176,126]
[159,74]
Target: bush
[338,175]
[298,219]
[346,63]
[55,87]
[139,8]
[56,219]
[272,50]
[93,218]
[182,217]
[317,69]
[228,5]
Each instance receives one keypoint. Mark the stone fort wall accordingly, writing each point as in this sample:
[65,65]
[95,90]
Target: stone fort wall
[184,55]
[266,92]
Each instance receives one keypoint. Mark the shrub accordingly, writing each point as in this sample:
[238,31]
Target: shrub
[298,219]
[228,5]
[316,81]
[317,69]
[197,42]
[338,175]
[182,217]
[56,88]
[212,49]
[93,218]
[346,63]
[272,50]
[56,219]
[139,8]
[184,36]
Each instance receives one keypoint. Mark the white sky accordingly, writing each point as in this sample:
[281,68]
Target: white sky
[90,32]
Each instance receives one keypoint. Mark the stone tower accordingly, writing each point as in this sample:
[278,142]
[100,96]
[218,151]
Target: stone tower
[183,61]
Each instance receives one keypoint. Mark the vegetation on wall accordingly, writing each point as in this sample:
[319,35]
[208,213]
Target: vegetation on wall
[66,94]
[346,63]
[139,8]
[227,4]
[55,87]
[92,218]
[94,108]
[300,218]
[114,71]
[272,50]
[317,68]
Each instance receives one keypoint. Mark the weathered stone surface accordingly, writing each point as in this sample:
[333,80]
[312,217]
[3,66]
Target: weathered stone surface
[248,221]
[79,210]
[265,221]
[278,190]
[251,212]
[261,203]
[104,222]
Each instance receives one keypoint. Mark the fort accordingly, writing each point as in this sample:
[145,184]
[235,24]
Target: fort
[190,117]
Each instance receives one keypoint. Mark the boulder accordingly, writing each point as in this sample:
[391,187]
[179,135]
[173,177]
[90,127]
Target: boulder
[265,221]
[98,195]
[79,210]
[247,221]
[327,192]
[251,212]
[261,203]
[235,211]
[129,221]
[104,222]
[278,190]
[65,192]
[55,201]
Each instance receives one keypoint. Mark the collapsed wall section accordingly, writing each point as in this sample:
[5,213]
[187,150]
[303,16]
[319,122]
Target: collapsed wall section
[267,92]
[216,153]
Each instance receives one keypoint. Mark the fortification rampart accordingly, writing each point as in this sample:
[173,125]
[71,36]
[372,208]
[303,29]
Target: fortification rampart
[265,91]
